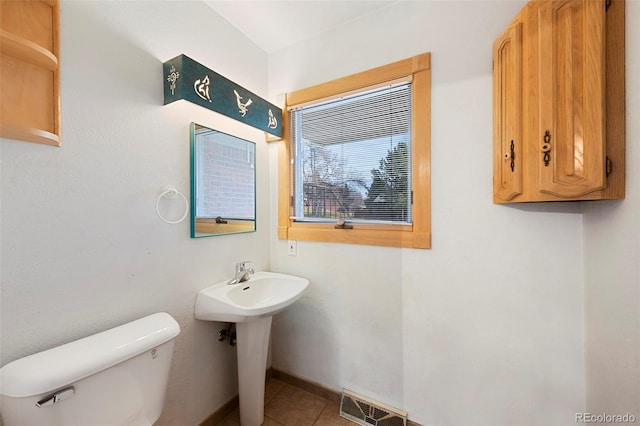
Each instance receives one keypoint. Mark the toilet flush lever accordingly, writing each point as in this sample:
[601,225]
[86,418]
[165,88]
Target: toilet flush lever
[56,397]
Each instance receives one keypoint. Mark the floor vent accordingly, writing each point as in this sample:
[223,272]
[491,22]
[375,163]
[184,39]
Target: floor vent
[366,412]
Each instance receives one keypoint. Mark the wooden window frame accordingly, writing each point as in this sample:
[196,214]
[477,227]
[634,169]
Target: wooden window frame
[415,235]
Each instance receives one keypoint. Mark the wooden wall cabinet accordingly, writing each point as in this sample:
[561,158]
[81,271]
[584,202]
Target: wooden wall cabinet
[29,76]
[559,103]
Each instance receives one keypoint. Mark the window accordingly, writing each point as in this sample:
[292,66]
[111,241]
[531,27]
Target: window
[355,161]
[352,158]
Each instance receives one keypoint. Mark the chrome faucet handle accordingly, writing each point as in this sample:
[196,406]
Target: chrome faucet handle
[240,266]
[242,274]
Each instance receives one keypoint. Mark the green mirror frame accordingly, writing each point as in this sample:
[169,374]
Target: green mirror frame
[223,183]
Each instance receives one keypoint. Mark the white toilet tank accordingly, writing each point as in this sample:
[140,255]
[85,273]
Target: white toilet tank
[117,377]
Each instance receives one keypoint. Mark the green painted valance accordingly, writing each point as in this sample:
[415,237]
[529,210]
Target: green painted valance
[186,79]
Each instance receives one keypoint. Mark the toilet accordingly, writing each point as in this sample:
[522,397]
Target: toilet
[116,377]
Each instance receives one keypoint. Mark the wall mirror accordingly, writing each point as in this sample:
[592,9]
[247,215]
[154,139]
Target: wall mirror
[223,183]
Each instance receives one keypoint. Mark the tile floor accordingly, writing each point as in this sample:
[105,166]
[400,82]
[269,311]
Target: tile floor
[286,405]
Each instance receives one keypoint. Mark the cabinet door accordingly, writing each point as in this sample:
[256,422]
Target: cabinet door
[572,103]
[507,114]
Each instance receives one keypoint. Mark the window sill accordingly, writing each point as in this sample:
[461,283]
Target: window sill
[375,235]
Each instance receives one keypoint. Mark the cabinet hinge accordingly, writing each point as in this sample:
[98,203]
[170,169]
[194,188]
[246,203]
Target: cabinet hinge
[411,197]
[292,201]
[609,166]
[607,5]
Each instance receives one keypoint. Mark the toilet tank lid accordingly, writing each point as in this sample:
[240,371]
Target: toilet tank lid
[63,365]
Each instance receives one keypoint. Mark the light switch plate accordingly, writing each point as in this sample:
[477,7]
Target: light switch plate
[292,248]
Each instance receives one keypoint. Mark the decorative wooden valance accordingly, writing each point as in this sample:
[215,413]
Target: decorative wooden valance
[187,79]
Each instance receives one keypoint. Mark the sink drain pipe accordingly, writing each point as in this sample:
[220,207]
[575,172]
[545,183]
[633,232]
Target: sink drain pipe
[228,334]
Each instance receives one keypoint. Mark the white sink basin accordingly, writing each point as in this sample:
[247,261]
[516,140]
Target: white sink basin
[264,294]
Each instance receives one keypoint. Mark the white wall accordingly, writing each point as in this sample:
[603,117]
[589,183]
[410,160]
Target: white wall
[82,247]
[488,326]
[612,269]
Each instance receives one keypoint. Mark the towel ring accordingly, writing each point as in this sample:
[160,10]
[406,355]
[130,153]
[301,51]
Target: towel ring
[169,192]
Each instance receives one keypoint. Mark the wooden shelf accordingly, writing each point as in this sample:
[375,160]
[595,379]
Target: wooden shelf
[29,134]
[29,71]
[28,51]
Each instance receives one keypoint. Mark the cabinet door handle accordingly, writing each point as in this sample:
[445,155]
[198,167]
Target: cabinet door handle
[511,155]
[546,148]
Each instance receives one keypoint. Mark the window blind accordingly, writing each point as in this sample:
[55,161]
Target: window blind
[352,158]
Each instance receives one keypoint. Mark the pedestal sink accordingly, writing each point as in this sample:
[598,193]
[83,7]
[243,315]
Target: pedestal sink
[251,305]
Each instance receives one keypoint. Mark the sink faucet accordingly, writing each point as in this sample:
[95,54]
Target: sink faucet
[242,273]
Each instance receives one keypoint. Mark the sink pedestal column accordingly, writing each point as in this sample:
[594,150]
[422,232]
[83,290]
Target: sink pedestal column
[253,344]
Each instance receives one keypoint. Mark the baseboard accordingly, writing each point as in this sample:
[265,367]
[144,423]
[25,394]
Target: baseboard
[314,388]
[217,416]
[306,385]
